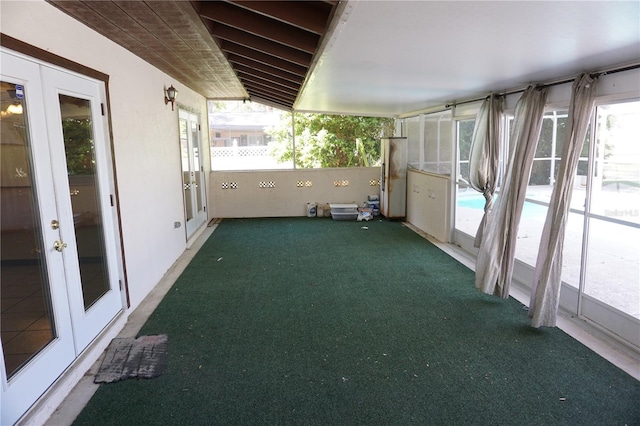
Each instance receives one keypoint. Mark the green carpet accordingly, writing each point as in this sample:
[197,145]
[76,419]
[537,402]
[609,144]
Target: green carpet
[314,321]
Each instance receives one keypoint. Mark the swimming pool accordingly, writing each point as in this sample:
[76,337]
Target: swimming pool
[476,202]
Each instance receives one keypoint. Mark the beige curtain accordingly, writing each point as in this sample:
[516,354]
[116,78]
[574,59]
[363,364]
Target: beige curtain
[484,156]
[545,291]
[494,265]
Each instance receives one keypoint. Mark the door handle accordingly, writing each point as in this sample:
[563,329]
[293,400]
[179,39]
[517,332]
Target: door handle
[59,245]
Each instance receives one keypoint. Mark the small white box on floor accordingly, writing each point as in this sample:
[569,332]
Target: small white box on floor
[344,211]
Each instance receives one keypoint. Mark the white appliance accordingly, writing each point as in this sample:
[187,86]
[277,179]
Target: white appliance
[393,182]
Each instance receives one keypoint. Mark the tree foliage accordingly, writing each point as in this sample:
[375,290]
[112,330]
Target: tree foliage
[78,143]
[323,140]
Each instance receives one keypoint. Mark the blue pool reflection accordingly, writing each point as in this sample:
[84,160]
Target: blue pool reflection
[530,210]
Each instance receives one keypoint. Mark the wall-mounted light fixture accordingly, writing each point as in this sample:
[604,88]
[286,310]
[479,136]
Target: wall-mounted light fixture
[170,95]
[15,109]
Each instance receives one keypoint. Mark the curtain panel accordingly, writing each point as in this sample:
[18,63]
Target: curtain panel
[545,291]
[484,156]
[494,264]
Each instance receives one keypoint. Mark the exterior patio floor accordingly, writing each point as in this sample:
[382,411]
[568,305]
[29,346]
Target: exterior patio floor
[82,393]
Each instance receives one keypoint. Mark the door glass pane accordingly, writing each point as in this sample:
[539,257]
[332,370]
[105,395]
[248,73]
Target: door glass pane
[616,184]
[613,272]
[77,131]
[195,144]
[572,249]
[186,170]
[574,231]
[613,265]
[27,317]
[540,188]
[469,202]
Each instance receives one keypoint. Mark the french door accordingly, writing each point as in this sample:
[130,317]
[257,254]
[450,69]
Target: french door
[60,251]
[192,172]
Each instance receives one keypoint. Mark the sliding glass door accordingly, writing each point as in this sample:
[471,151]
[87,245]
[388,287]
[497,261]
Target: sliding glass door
[469,207]
[611,252]
[601,256]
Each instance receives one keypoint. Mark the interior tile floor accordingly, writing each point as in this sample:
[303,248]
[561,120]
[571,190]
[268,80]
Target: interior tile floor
[26,323]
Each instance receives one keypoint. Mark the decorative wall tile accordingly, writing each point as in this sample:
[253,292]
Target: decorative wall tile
[229,185]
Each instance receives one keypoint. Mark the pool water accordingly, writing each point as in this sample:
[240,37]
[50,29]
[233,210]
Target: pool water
[477,202]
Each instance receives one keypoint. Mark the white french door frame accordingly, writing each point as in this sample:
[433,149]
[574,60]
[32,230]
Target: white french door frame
[74,328]
[192,169]
[87,324]
[33,379]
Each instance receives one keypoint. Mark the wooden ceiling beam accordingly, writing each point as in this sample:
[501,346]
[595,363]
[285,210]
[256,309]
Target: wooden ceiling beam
[309,15]
[242,38]
[240,61]
[279,105]
[251,84]
[286,102]
[242,70]
[237,50]
[259,25]
[254,83]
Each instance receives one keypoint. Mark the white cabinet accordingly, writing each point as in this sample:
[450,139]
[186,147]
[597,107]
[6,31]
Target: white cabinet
[428,201]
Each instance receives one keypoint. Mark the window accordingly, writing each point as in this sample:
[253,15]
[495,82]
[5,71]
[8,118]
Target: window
[429,140]
[239,136]
[323,140]
[251,136]
[437,143]
[414,140]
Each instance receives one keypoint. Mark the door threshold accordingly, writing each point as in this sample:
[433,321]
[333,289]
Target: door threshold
[196,235]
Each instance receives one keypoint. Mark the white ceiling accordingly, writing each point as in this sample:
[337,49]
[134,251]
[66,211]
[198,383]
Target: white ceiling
[390,58]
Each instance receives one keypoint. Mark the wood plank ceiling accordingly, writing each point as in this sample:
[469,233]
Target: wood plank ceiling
[260,50]
[270,44]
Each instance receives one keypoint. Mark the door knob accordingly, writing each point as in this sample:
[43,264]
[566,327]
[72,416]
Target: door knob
[59,245]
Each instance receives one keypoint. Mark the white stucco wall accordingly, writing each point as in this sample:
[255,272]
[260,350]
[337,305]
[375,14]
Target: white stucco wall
[145,135]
